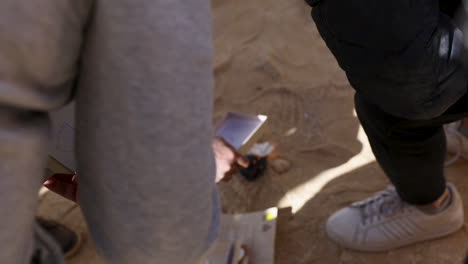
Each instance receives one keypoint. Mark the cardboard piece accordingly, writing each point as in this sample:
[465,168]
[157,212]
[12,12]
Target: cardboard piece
[241,130]
[256,231]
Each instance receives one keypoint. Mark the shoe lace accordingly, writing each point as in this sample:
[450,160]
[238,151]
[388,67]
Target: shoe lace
[384,203]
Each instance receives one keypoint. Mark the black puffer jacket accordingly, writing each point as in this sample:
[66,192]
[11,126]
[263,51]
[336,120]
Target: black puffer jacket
[405,56]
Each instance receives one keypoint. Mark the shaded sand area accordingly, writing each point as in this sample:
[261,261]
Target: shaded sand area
[270,60]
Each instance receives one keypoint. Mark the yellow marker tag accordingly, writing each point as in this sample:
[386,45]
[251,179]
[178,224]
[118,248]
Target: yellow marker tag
[271,214]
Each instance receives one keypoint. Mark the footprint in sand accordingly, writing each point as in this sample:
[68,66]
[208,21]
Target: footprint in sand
[291,114]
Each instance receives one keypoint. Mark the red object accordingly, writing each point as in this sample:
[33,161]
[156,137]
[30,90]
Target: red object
[63,177]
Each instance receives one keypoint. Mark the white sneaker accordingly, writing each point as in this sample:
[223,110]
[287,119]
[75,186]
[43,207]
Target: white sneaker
[384,222]
[457,143]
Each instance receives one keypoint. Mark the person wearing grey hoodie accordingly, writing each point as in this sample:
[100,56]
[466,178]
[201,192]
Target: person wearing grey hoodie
[140,72]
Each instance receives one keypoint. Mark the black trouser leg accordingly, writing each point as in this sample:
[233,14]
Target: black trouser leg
[411,152]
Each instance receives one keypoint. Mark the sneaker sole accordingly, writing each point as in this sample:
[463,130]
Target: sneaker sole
[428,237]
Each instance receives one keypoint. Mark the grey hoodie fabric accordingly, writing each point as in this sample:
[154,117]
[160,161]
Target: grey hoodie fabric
[141,74]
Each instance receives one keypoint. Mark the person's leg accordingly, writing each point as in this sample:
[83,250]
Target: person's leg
[421,205]
[409,152]
[457,131]
[144,105]
[39,47]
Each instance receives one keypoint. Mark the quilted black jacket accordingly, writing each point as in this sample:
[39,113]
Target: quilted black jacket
[405,56]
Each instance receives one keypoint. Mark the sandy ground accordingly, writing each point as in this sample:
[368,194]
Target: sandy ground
[270,60]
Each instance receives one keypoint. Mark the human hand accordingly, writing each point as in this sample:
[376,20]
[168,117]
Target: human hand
[64,185]
[227,159]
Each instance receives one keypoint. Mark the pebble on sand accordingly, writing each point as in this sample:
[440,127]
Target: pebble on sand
[281,165]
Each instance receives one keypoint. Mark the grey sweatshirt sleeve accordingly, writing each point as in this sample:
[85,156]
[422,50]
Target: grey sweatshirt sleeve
[142,78]
[39,47]
[144,108]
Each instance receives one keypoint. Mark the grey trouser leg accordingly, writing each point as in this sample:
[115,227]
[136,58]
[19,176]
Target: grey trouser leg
[142,73]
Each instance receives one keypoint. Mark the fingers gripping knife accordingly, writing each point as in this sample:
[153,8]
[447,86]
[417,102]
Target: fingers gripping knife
[241,131]
[257,166]
[258,160]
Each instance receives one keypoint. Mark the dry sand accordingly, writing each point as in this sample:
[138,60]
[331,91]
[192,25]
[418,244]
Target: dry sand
[270,60]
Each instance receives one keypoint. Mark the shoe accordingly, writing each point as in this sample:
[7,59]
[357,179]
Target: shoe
[384,222]
[68,240]
[457,142]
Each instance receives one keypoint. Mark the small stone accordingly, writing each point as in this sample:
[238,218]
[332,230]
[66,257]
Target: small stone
[281,165]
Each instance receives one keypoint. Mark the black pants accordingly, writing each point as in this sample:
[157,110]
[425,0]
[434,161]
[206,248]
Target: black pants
[411,152]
